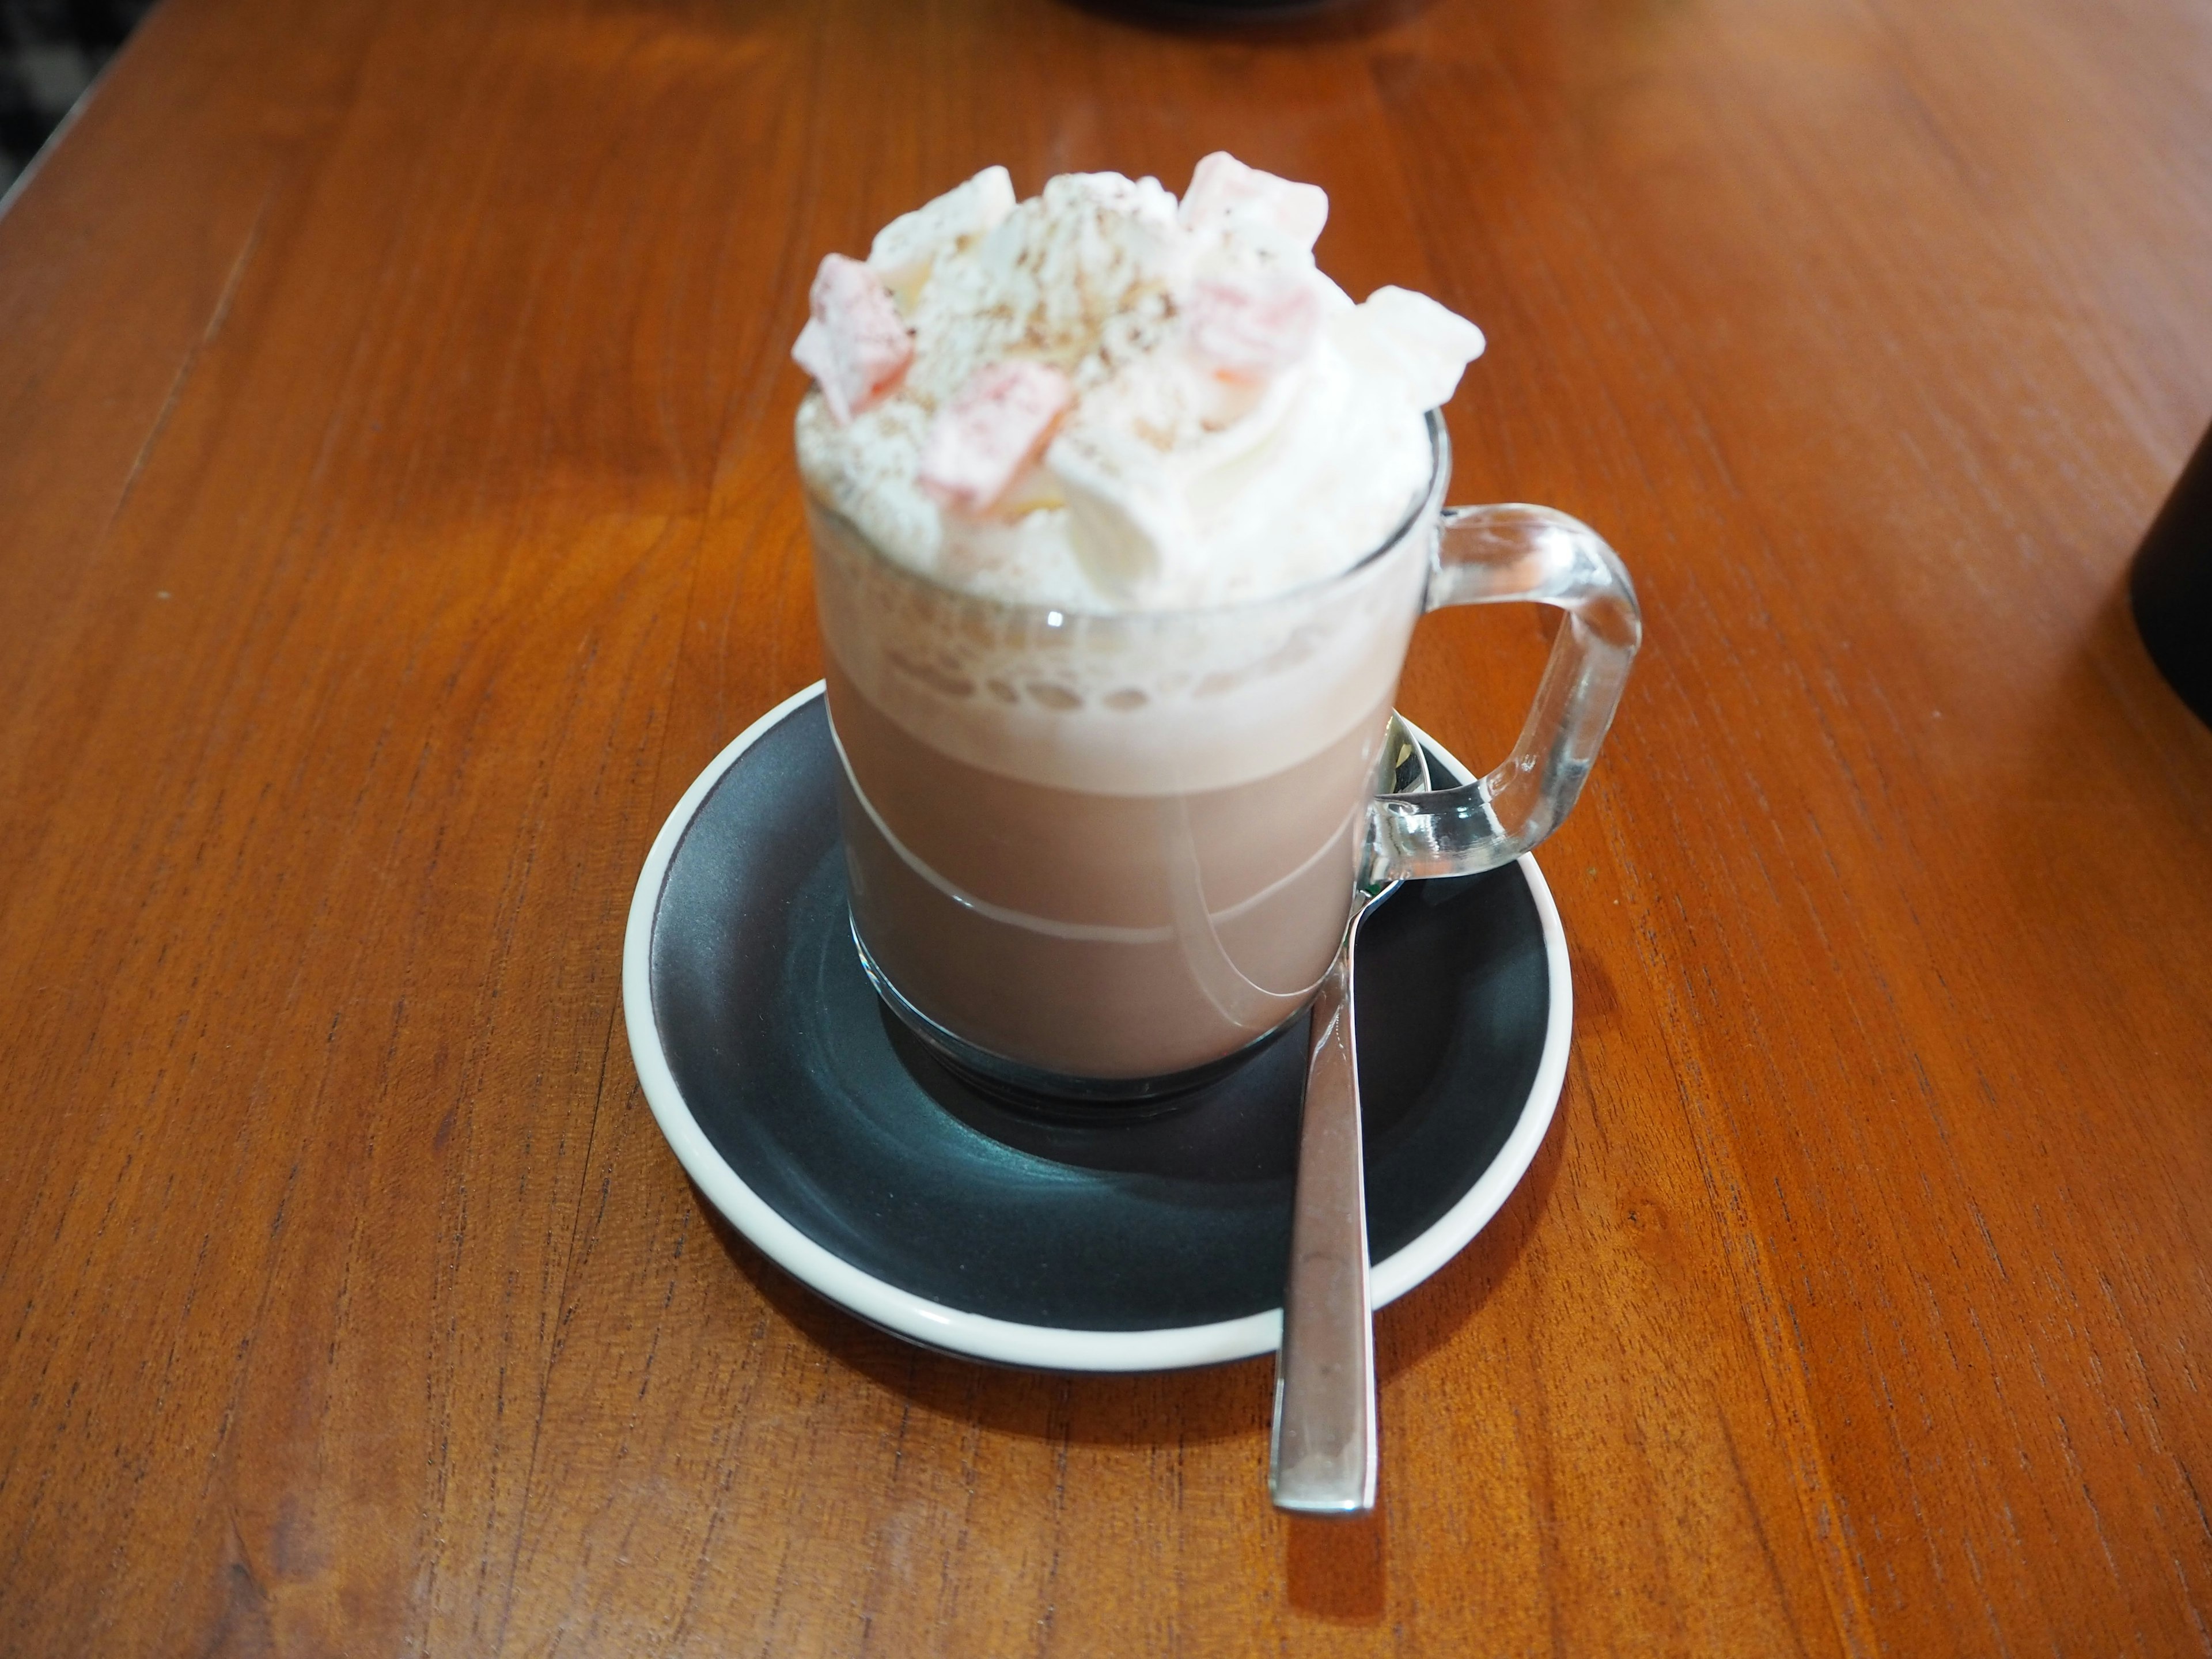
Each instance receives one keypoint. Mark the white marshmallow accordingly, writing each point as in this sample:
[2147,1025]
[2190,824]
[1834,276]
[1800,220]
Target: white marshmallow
[1227,196]
[1412,340]
[906,249]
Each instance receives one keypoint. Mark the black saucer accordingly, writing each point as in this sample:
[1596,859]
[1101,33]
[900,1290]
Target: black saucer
[1110,1238]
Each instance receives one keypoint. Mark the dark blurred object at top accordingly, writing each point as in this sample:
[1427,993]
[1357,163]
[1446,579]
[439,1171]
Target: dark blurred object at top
[50,49]
[2171,584]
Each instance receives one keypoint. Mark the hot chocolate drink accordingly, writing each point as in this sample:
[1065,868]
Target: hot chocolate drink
[1121,516]
[1105,846]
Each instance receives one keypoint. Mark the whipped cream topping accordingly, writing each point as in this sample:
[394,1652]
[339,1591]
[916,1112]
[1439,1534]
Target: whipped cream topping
[1113,401]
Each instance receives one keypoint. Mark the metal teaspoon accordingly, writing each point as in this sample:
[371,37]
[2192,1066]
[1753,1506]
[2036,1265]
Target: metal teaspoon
[1322,1455]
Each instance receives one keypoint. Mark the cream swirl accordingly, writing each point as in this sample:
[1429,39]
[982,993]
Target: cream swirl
[1233,425]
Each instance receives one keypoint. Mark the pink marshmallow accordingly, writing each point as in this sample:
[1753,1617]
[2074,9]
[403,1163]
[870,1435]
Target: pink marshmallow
[980,441]
[1251,325]
[853,345]
[1223,189]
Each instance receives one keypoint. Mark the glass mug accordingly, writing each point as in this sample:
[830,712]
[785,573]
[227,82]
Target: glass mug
[1101,856]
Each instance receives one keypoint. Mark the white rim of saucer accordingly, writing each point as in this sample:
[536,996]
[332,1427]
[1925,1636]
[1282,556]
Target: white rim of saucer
[1004,1341]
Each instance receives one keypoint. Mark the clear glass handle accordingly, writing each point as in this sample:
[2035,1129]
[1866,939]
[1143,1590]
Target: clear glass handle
[1491,556]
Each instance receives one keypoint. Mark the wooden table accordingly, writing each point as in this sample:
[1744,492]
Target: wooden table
[396,511]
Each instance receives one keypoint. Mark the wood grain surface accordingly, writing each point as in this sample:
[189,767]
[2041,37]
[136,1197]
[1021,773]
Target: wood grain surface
[396,512]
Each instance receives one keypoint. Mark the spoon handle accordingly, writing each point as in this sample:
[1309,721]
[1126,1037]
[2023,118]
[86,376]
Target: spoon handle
[1322,1456]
